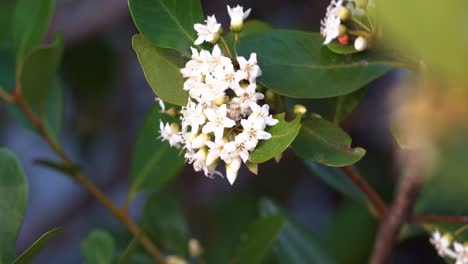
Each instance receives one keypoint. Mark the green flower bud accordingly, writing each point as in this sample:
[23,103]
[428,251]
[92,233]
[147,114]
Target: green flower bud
[344,13]
[300,109]
[361,3]
[342,29]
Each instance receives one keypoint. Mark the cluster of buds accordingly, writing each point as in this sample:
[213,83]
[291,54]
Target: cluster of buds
[223,120]
[348,22]
[443,245]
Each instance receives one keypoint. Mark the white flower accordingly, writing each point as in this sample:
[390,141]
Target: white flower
[161,104]
[218,120]
[217,149]
[230,77]
[193,116]
[217,60]
[200,141]
[247,96]
[232,169]
[170,133]
[441,243]
[461,253]
[238,16]
[240,147]
[250,67]
[262,115]
[254,131]
[330,25]
[209,32]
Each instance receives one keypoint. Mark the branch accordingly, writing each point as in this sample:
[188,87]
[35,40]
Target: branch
[37,122]
[440,219]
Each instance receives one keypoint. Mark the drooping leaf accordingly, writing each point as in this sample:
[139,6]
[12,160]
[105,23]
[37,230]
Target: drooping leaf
[168,23]
[295,64]
[339,48]
[295,244]
[258,239]
[162,70]
[99,248]
[28,255]
[39,73]
[13,202]
[338,180]
[32,18]
[282,135]
[164,222]
[154,162]
[325,143]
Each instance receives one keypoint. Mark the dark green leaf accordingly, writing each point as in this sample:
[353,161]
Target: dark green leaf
[295,244]
[39,73]
[338,180]
[154,162]
[168,23]
[32,18]
[282,135]
[162,70]
[13,202]
[27,256]
[251,27]
[257,241]
[99,248]
[326,143]
[129,252]
[338,48]
[6,15]
[164,222]
[295,64]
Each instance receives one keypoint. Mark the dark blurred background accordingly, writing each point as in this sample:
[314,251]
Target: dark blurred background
[106,100]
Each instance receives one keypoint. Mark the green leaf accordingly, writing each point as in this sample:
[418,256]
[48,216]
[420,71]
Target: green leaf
[282,135]
[326,143]
[162,70]
[13,202]
[39,73]
[168,23]
[99,248]
[129,251]
[257,241]
[6,15]
[31,22]
[164,222]
[339,181]
[154,162]
[250,28]
[337,47]
[295,64]
[27,256]
[295,244]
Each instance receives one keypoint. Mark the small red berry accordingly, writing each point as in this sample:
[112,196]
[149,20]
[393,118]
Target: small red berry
[344,39]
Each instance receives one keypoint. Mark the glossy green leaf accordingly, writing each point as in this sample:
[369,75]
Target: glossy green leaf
[258,240]
[168,23]
[339,181]
[13,202]
[99,248]
[250,28]
[282,135]
[154,162]
[162,70]
[31,22]
[295,64]
[326,143]
[338,48]
[296,244]
[164,222]
[39,73]
[28,255]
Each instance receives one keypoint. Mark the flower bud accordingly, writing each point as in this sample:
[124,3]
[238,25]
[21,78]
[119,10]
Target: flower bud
[238,16]
[360,44]
[195,248]
[253,167]
[299,109]
[172,112]
[175,127]
[217,36]
[175,260]
[232,169]
[361,3]
[343,13]
[220,101]
[200,141]
[342,30]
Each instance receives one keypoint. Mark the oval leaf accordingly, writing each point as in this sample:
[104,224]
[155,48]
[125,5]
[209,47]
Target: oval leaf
[13,202]
[282,135]
[168,23]
[295,243]
[257,241]
[162,70]
[99,248]
[28,255]
[164,222]
[32,18]
[326,143]
[153,162]
[295,64]
[338,48]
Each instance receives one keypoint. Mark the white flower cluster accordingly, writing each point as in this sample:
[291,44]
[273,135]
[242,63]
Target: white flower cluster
[344,14]
[222,119]
[442,243]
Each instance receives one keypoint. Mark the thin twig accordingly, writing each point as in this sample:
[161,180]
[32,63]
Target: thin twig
[37,122]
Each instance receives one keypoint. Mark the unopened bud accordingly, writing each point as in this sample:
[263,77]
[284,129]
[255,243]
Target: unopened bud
[172,112]
[221,101]
[195,248]
[232,169]
[342,30]
[361,3]
[299,109]
[448,237]
[360,44]
[175,127]
[343,13]
[200,141]
[175,260]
